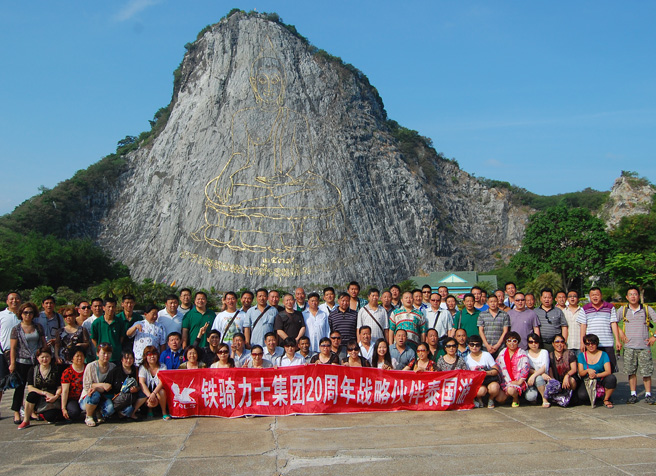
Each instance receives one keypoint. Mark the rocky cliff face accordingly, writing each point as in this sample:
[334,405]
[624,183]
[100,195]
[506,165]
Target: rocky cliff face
[629,196]
[277,167]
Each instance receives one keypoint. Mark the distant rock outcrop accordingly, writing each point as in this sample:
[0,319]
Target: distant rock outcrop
[278,166]
[630,195]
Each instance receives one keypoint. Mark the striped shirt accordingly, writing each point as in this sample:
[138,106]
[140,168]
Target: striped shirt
[493,326]
[345,323]
[574,328]
[413,322]
[635,326]
[599,322]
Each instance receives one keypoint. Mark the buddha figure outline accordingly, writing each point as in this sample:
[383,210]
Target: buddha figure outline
[268,195]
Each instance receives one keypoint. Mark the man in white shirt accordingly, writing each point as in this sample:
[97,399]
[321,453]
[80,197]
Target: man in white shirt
[366,349]
[438,318]
[316,322]
[374,316]
[96,312]
[8,320]
[171,316]
[329,304]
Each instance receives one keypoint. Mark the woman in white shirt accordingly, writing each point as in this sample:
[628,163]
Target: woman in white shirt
[480,360]
[149,381]
[290,358]
[538,358]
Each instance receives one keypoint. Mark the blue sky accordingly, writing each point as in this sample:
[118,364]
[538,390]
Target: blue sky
[552,96]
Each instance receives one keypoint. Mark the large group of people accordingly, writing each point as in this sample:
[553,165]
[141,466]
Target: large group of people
[89,363]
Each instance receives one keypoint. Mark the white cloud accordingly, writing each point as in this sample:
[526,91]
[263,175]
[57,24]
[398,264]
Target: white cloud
[132,8]
[494,163]
[615,156]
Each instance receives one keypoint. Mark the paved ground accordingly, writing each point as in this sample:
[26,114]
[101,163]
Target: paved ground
[526,440]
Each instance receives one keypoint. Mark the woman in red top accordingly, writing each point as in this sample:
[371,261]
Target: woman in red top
[71,381]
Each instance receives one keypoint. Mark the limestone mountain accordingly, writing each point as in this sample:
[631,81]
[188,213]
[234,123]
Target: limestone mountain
[276,164]
[630,195]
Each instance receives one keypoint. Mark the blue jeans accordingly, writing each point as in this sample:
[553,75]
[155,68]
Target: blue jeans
[103,400]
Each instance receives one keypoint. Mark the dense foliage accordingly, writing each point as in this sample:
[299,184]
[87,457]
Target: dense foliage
[586,198]
[568,241]
[31,260]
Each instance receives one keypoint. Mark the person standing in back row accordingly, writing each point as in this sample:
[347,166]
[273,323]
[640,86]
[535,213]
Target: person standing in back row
[637,342]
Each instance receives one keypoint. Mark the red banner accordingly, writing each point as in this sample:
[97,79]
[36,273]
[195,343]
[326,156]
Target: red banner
[315,389]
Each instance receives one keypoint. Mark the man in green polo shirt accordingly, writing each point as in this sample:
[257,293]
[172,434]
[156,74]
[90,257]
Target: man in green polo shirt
[109,329]
[467,318]
[195,319]
[130,317]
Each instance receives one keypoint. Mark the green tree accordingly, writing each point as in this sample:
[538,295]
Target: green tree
[151,292]
[570,242]
[40,293]
[633,269]
[549,280]
[407,285]
[636,233]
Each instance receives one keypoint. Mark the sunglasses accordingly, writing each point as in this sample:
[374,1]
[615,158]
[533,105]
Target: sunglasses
[450,346]
[336,338]
[559,342]
[474,344]
[85,307]
[28,313]
[257,354]
[324,345]
[512,341]
[532,342]
[222,352]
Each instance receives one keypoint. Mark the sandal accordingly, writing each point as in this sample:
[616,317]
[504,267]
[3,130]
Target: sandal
[515,404]
[608,404]
[166,417]
[89,421]
[546,404]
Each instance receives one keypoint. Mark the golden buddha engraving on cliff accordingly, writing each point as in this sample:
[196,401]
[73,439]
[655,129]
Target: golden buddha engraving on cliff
[269,196]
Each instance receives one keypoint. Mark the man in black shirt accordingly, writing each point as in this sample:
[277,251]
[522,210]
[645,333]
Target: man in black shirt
[289,322]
